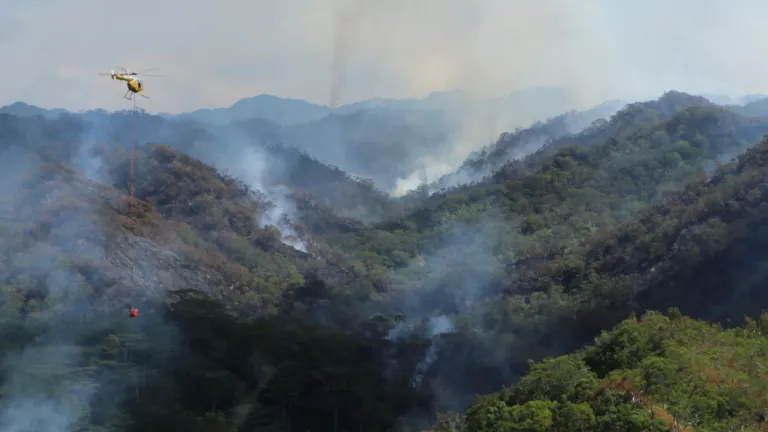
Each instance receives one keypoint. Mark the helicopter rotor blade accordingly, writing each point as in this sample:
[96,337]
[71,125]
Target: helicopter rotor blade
[147,70]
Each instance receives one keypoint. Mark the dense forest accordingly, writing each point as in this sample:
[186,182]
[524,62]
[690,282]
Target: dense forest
[659,373]
[604,277]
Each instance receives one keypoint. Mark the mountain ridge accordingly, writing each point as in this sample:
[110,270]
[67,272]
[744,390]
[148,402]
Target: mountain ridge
[262,104]
[362,139]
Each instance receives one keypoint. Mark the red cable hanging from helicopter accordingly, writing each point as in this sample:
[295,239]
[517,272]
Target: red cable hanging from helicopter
[135,86]
[132,311]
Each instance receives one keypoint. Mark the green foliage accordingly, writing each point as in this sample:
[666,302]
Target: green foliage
[555,379]
[188,236]
[595,182]
[653,372]
[197,367]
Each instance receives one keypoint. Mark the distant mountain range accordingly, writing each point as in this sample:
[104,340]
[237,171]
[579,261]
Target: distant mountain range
[381,139]
[518,109]
[285,111]
[528,105]
[393,141]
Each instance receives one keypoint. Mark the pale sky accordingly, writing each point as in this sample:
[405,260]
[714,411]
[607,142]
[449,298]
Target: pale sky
[213,53]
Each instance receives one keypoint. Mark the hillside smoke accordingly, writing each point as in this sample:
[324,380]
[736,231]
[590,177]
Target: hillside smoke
[52,384]
[253,166]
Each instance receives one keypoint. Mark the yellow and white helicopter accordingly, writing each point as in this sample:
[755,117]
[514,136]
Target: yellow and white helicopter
[133,81]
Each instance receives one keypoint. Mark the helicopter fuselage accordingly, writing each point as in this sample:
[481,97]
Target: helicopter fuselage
[133,82]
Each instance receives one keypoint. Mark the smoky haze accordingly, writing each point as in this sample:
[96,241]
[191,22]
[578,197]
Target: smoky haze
[336,53]
[40,390]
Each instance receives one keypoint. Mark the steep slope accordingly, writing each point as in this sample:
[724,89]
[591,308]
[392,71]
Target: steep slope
[578,189]
[627,122]
[78,232]
[186,205]
[699,250]
[522,142]
[522,152]
[329,186]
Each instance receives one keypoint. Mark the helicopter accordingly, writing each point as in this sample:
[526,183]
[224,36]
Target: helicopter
[133,81]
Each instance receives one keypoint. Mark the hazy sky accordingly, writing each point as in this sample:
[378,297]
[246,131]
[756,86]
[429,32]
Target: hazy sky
[214,53]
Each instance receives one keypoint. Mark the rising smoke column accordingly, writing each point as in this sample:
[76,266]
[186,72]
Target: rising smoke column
[348,13]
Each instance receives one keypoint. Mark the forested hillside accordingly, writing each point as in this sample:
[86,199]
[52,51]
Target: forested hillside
[660,373]
[555,202]
[75,257]
[311,318]
[524,141]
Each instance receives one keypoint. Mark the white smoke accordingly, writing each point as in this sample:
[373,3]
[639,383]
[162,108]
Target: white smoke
[40,401]
[250,164]
[435,327]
